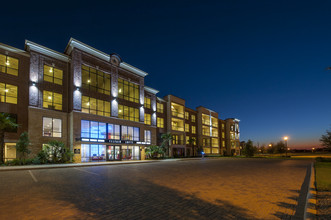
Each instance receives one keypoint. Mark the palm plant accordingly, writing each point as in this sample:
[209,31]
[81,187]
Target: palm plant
[6,123]
[191,143]
[166,138]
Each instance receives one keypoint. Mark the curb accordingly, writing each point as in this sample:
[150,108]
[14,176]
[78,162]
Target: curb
[310,206]
[39,167]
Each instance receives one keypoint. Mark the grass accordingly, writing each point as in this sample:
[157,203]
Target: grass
[323,176]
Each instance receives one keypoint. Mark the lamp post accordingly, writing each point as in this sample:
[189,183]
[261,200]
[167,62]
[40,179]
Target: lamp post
[285,139]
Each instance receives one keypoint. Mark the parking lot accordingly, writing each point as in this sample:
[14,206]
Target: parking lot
[224,188]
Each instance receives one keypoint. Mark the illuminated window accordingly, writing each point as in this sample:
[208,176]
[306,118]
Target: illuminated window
[177,139]
[148,136]
[193,118]
[205,142]
[52,100]
[8,93]
[205,119]
[147,119]
[8,65]
[206,150]
[128,113]
[177,110]
[223,135]
[159,107]
[147,103]
[160,122]
[223,126]
[53,75]
[187,115]
[95,80]
[95,106]
[52,127]
[130,133]
[214,132]
[194,140]
[128,91]
[193,129]
[214,122]
[94,129]
[223,143]
[187,140]
[187,128]
[205,130]
[177,124]
[214,142]
[215,150]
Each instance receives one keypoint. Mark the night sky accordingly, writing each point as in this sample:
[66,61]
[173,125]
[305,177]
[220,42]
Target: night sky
[263,62]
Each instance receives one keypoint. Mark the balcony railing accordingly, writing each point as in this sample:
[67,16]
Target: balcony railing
[177,128]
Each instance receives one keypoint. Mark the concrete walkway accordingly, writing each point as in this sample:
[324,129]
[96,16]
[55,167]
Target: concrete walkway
[68,165]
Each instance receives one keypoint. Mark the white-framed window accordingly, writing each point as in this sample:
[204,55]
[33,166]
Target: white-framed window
[148,136]
[52,127]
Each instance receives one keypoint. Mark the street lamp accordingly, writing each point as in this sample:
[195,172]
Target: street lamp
[270,145]
[285,139]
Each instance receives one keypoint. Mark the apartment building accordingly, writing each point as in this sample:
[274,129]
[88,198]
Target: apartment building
[98,105]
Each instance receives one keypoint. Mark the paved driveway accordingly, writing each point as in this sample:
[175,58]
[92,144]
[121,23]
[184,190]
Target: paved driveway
[192,189]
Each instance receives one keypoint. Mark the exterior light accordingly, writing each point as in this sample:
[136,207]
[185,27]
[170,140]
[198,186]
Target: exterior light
[120,111]
[88,81]
[88,104]
[6,90]
[120,90]
[49,97]
[50,70]
[33,84]
[270,145]
[285,138]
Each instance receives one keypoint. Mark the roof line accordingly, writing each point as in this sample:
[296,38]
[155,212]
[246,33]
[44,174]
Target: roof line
[29,45]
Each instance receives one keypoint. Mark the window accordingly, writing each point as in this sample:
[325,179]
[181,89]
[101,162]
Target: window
[128,113]
[205,142]
[187,115]
[93,129]
[223,143]
[193,118]
[160,122]
[214,142]
[177,139]
[223,126]
[205,130]
[193,129]
[147,103]
[187,127]
[214,122]
[128,91]
[130,133]
[223,135]
[8,65]
[159,107]
[205,119]
[113,132]
[8,93]
[95,106]
[52,100]
[214,132]
[147,119]
[95,80]
[148,136]
[177,124]
[215,150]
[52,127]
[187,140]
[177,110]
[194,140]
[53,75]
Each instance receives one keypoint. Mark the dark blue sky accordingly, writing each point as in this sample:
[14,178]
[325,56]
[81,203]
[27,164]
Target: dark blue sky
[260,61]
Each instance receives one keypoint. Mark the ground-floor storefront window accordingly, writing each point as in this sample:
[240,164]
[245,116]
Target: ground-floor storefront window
[10,152]
[98,152]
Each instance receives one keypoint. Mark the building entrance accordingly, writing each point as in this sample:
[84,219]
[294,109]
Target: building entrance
[113,153]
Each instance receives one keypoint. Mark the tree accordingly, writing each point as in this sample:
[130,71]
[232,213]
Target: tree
[22,146]
[57,152]
[326,140]
[166,138]
[153,151]
[249,149]
[280,148]
[6,123]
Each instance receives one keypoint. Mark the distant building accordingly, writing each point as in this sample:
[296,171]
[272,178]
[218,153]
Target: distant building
[100,107]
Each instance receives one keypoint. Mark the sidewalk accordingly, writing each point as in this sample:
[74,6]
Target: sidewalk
[68,165]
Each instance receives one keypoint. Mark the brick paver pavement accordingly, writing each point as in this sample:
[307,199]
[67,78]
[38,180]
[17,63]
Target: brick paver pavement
[194,189]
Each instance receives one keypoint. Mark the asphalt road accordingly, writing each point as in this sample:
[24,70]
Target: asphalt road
[191,189]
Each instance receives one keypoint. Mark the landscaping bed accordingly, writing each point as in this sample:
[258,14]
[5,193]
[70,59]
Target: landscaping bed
[323,184]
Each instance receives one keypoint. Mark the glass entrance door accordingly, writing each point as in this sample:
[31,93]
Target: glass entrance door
[113,152]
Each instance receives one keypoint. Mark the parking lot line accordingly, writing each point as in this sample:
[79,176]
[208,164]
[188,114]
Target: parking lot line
[86,171]
[33,177]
